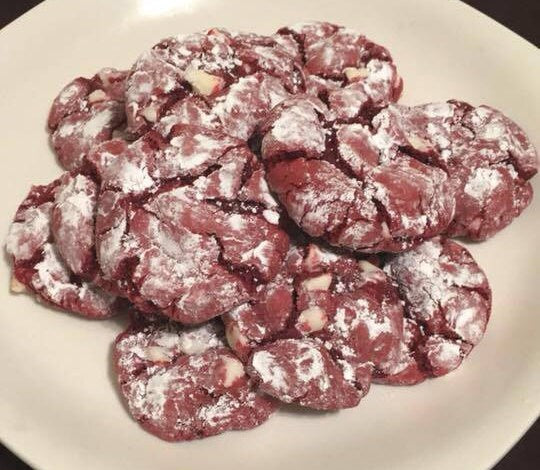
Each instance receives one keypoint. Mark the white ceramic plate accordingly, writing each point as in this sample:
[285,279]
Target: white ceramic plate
[59,408]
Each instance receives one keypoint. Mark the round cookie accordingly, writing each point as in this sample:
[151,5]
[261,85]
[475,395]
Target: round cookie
[184,383]
[447,302]
[86,112]
[335,303]
[351,74]
[37,262]
[226,80]
[488,158]
[338,182]
[185,224]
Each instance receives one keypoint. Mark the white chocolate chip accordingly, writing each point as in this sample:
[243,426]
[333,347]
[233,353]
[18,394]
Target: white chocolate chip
[352,73]
[150,113]
[192,345]
[16,287]
[385,230]
[271,217]
[234,337]
[367,267]
[234,369]
[312,319]
[97,95]
[157,353]
[202,82]
[418,143]
[321,282]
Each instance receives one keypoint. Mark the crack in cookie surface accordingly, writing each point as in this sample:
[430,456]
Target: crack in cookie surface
[57,267]
[345,184]
[85,113]
[447,302]
[354,76]
[192,216]
[184,383]
[487,157]
[214,78]
[343,310]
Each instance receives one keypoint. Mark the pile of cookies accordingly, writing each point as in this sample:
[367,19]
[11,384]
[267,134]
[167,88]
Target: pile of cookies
[273,222]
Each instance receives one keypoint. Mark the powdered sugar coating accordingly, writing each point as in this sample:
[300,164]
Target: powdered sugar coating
[183,384]
[490,125]
[247,102]
[408,370]
[361,311]
[149,342]
[237,110]
[488,158]
[352,74]
[85,113]
[188,220]
[236,78]
[347,307]
[341,183]
[267,314]
[72,223]
[262,317]
[37,263]
[448,301]
[302,371]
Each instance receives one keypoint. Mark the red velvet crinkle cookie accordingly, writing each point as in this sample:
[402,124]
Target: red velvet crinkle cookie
[184,383]
[186,225]
[332,303]
[225,80]
[351,74]
[339,182]
[37,246]
[85,113]
[447,301]
[488,158]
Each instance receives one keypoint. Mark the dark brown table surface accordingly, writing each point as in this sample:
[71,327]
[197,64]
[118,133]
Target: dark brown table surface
[522,17]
